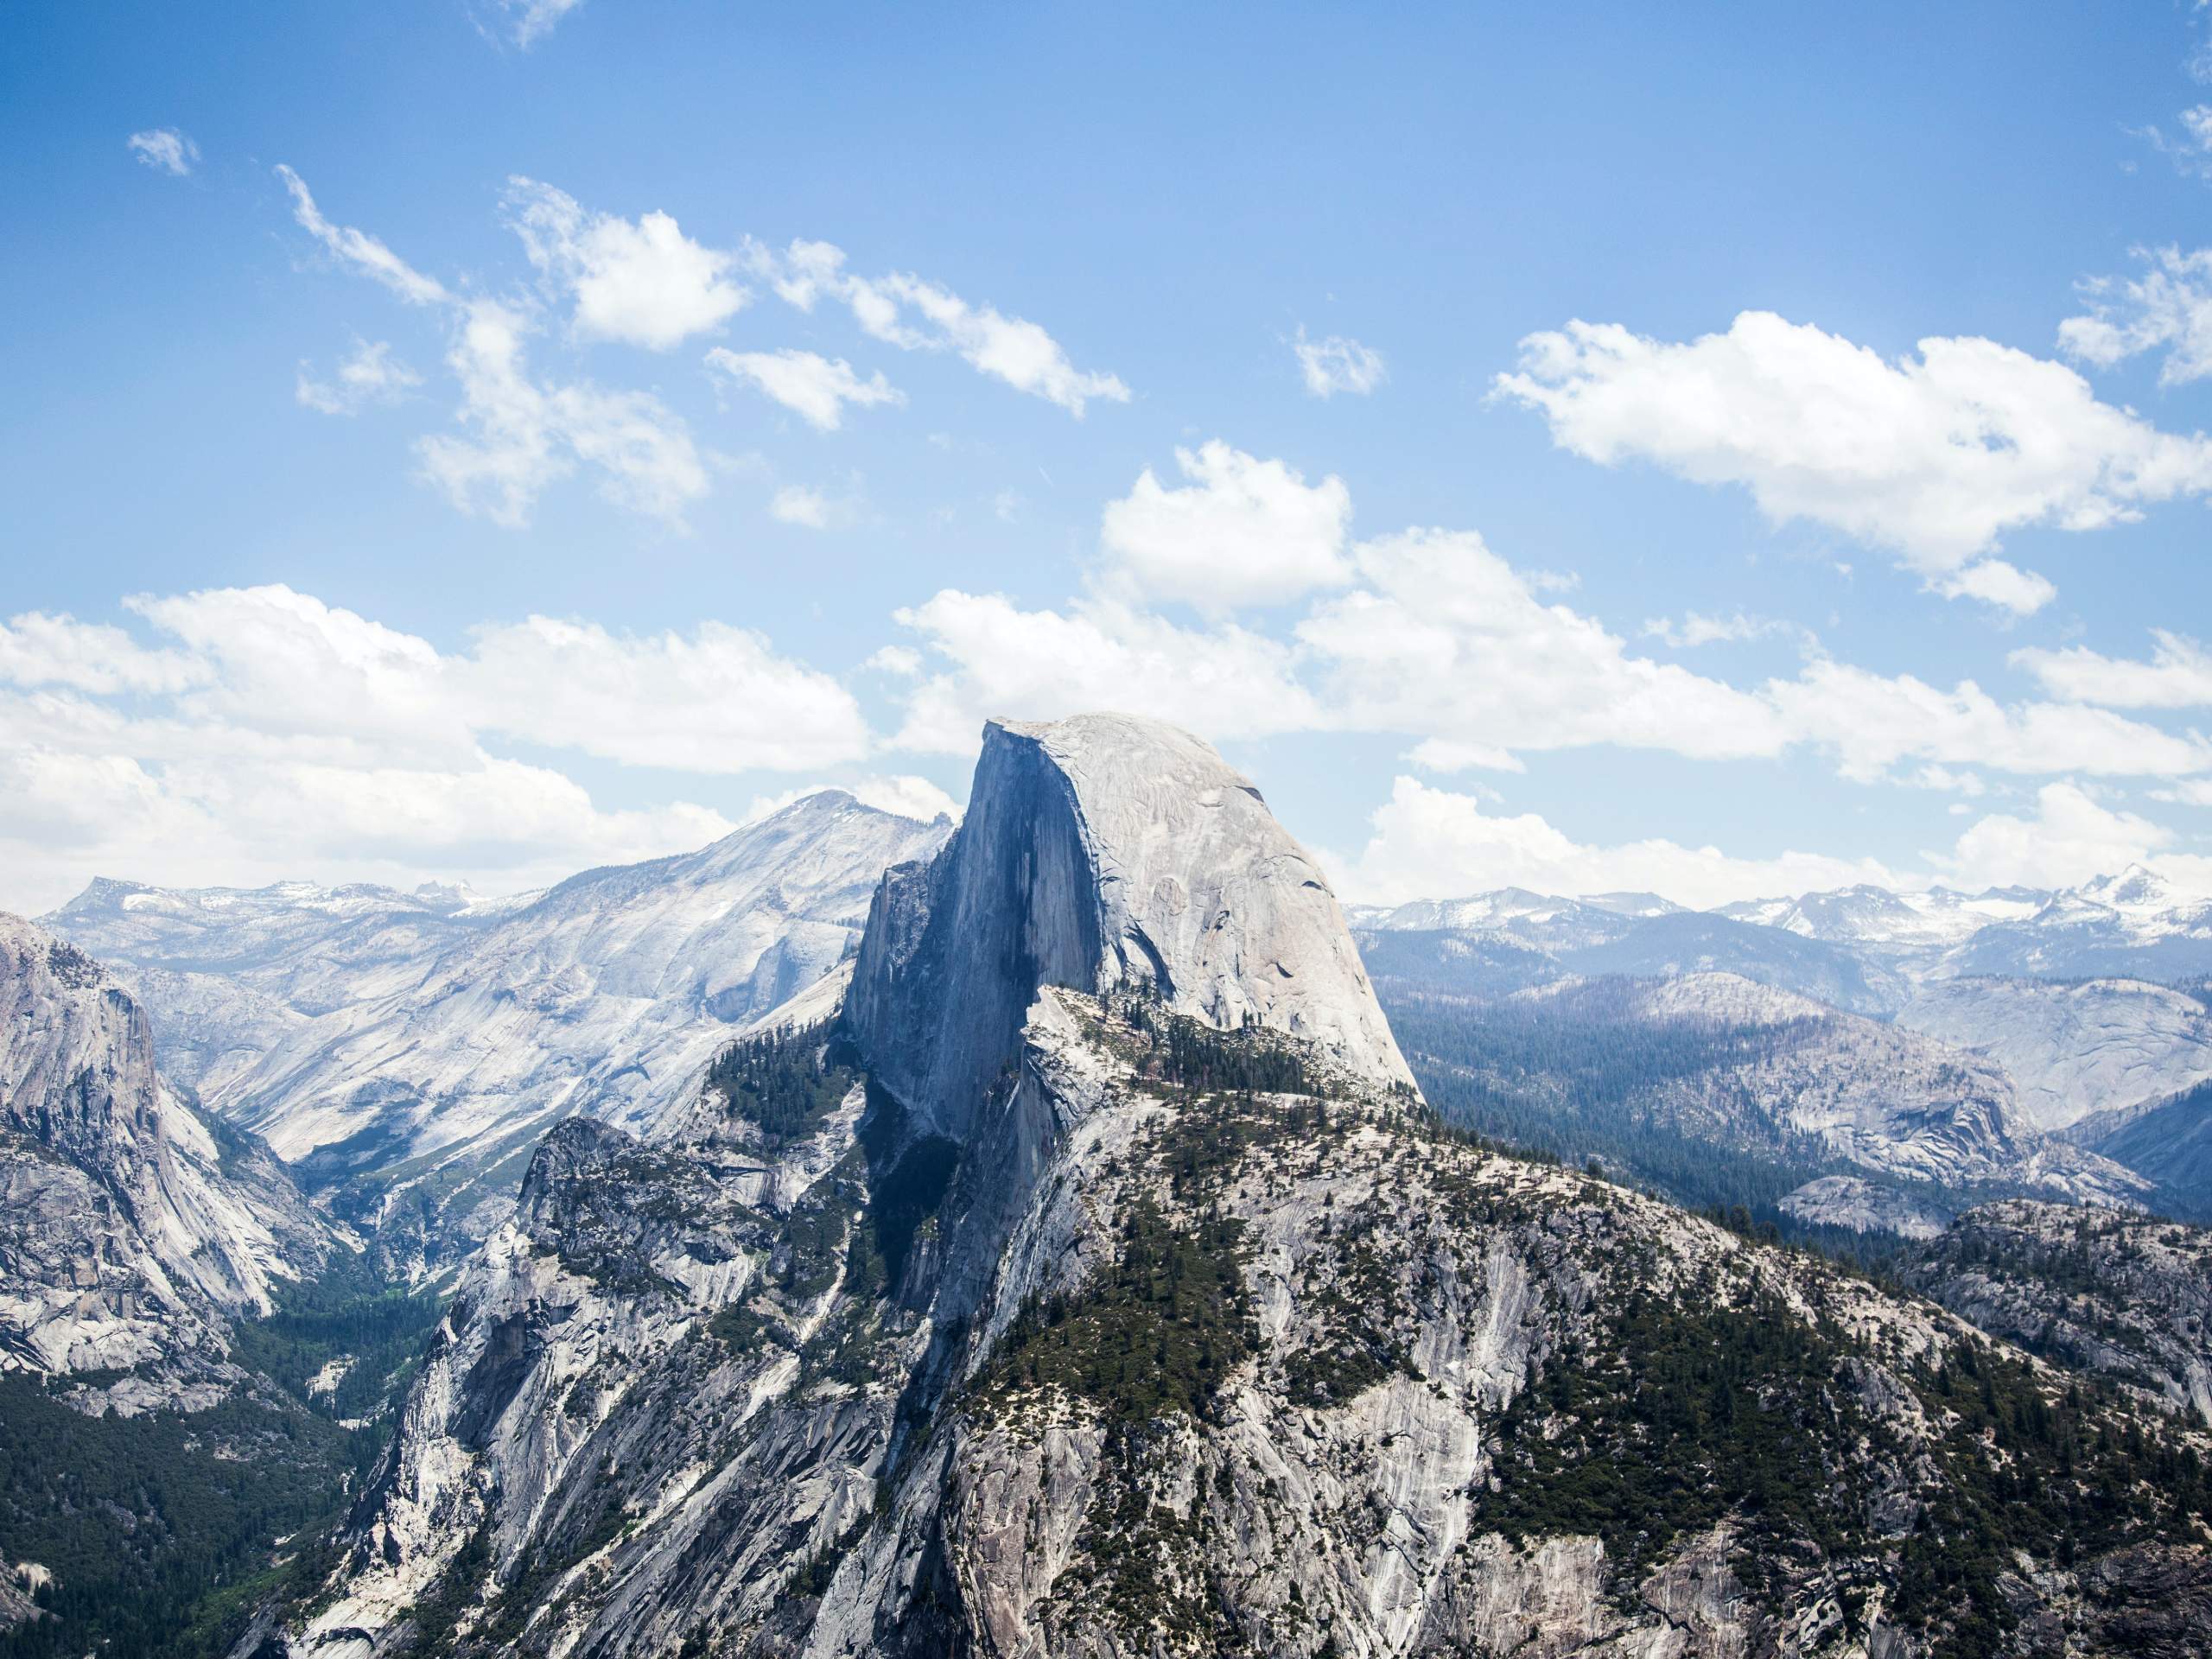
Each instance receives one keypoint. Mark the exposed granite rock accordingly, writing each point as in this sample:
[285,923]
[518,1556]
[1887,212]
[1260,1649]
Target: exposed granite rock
[131,1227]
[2103,1291]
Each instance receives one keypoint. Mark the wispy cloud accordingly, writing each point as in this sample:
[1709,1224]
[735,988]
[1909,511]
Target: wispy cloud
[165,150]
[1337,364]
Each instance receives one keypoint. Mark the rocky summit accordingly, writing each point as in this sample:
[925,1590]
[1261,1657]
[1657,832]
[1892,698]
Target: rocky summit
[1094,1281]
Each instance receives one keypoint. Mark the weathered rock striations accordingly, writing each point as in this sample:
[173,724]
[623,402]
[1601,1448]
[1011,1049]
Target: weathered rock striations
[130,1226]
[1100,853]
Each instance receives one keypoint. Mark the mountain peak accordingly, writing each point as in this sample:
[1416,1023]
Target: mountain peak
[1097,852]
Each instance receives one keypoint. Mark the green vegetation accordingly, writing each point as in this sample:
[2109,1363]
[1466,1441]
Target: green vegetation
[350,1314]
[1681,1412]
[778,1082]
[1156,1331]
[1678,1413]
[160,1529]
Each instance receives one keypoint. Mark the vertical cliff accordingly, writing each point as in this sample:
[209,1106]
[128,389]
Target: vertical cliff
[1101,853]
[130,1225]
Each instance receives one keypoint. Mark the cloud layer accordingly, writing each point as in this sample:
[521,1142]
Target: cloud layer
[1935,456]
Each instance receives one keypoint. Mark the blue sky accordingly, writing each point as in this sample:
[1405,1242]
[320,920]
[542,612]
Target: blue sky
[443,445]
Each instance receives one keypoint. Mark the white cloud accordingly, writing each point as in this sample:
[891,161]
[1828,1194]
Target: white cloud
[39,650]
[359,250]
[165,150]
[2169,308]
[1243,532]
[370,375]
[1337,364]
[527,22]
[2195,792]
[270,733]
[1995,581]
[1696,629]
[2178,675]
[718,701]
[2069,840]
[903,310]
[996,658]
[645,283]
[520,435]
[815,388]
[1935,456]
[1443,638]
[1944,777]
[1872,722]
[2189,150]
[1011,349]
[1439,640]
[812,510]
[1432,843]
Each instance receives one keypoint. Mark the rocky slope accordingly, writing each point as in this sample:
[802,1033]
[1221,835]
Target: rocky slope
[227,972]
[2075,1051]
[2125,1296]
[131,1225]
[410,1104]
[1152,1314]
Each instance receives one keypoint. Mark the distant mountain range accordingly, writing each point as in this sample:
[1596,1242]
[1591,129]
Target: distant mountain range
[404,1051]
[2050,1005]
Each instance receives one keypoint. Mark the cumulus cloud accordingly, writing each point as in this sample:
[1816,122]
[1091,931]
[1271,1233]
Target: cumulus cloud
[1429,843]
[165,150]
[2071,839]
[813,387]
[1337,364]
[1243,532]
[645,282]
[1442,637]
[2168,308]
[1935,456]
[1872,722]
[991,657]
[37,650]
[370,375]
[1435,639]
[2178,676]
[267,733]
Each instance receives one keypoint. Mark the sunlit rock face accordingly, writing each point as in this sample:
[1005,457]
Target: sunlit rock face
[131,1227]
[1097,853]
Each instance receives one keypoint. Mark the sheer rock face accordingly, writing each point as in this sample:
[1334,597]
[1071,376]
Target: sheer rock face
[129,1226]
[1102,852]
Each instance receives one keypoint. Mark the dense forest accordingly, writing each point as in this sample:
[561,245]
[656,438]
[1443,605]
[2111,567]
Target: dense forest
[165,1531]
